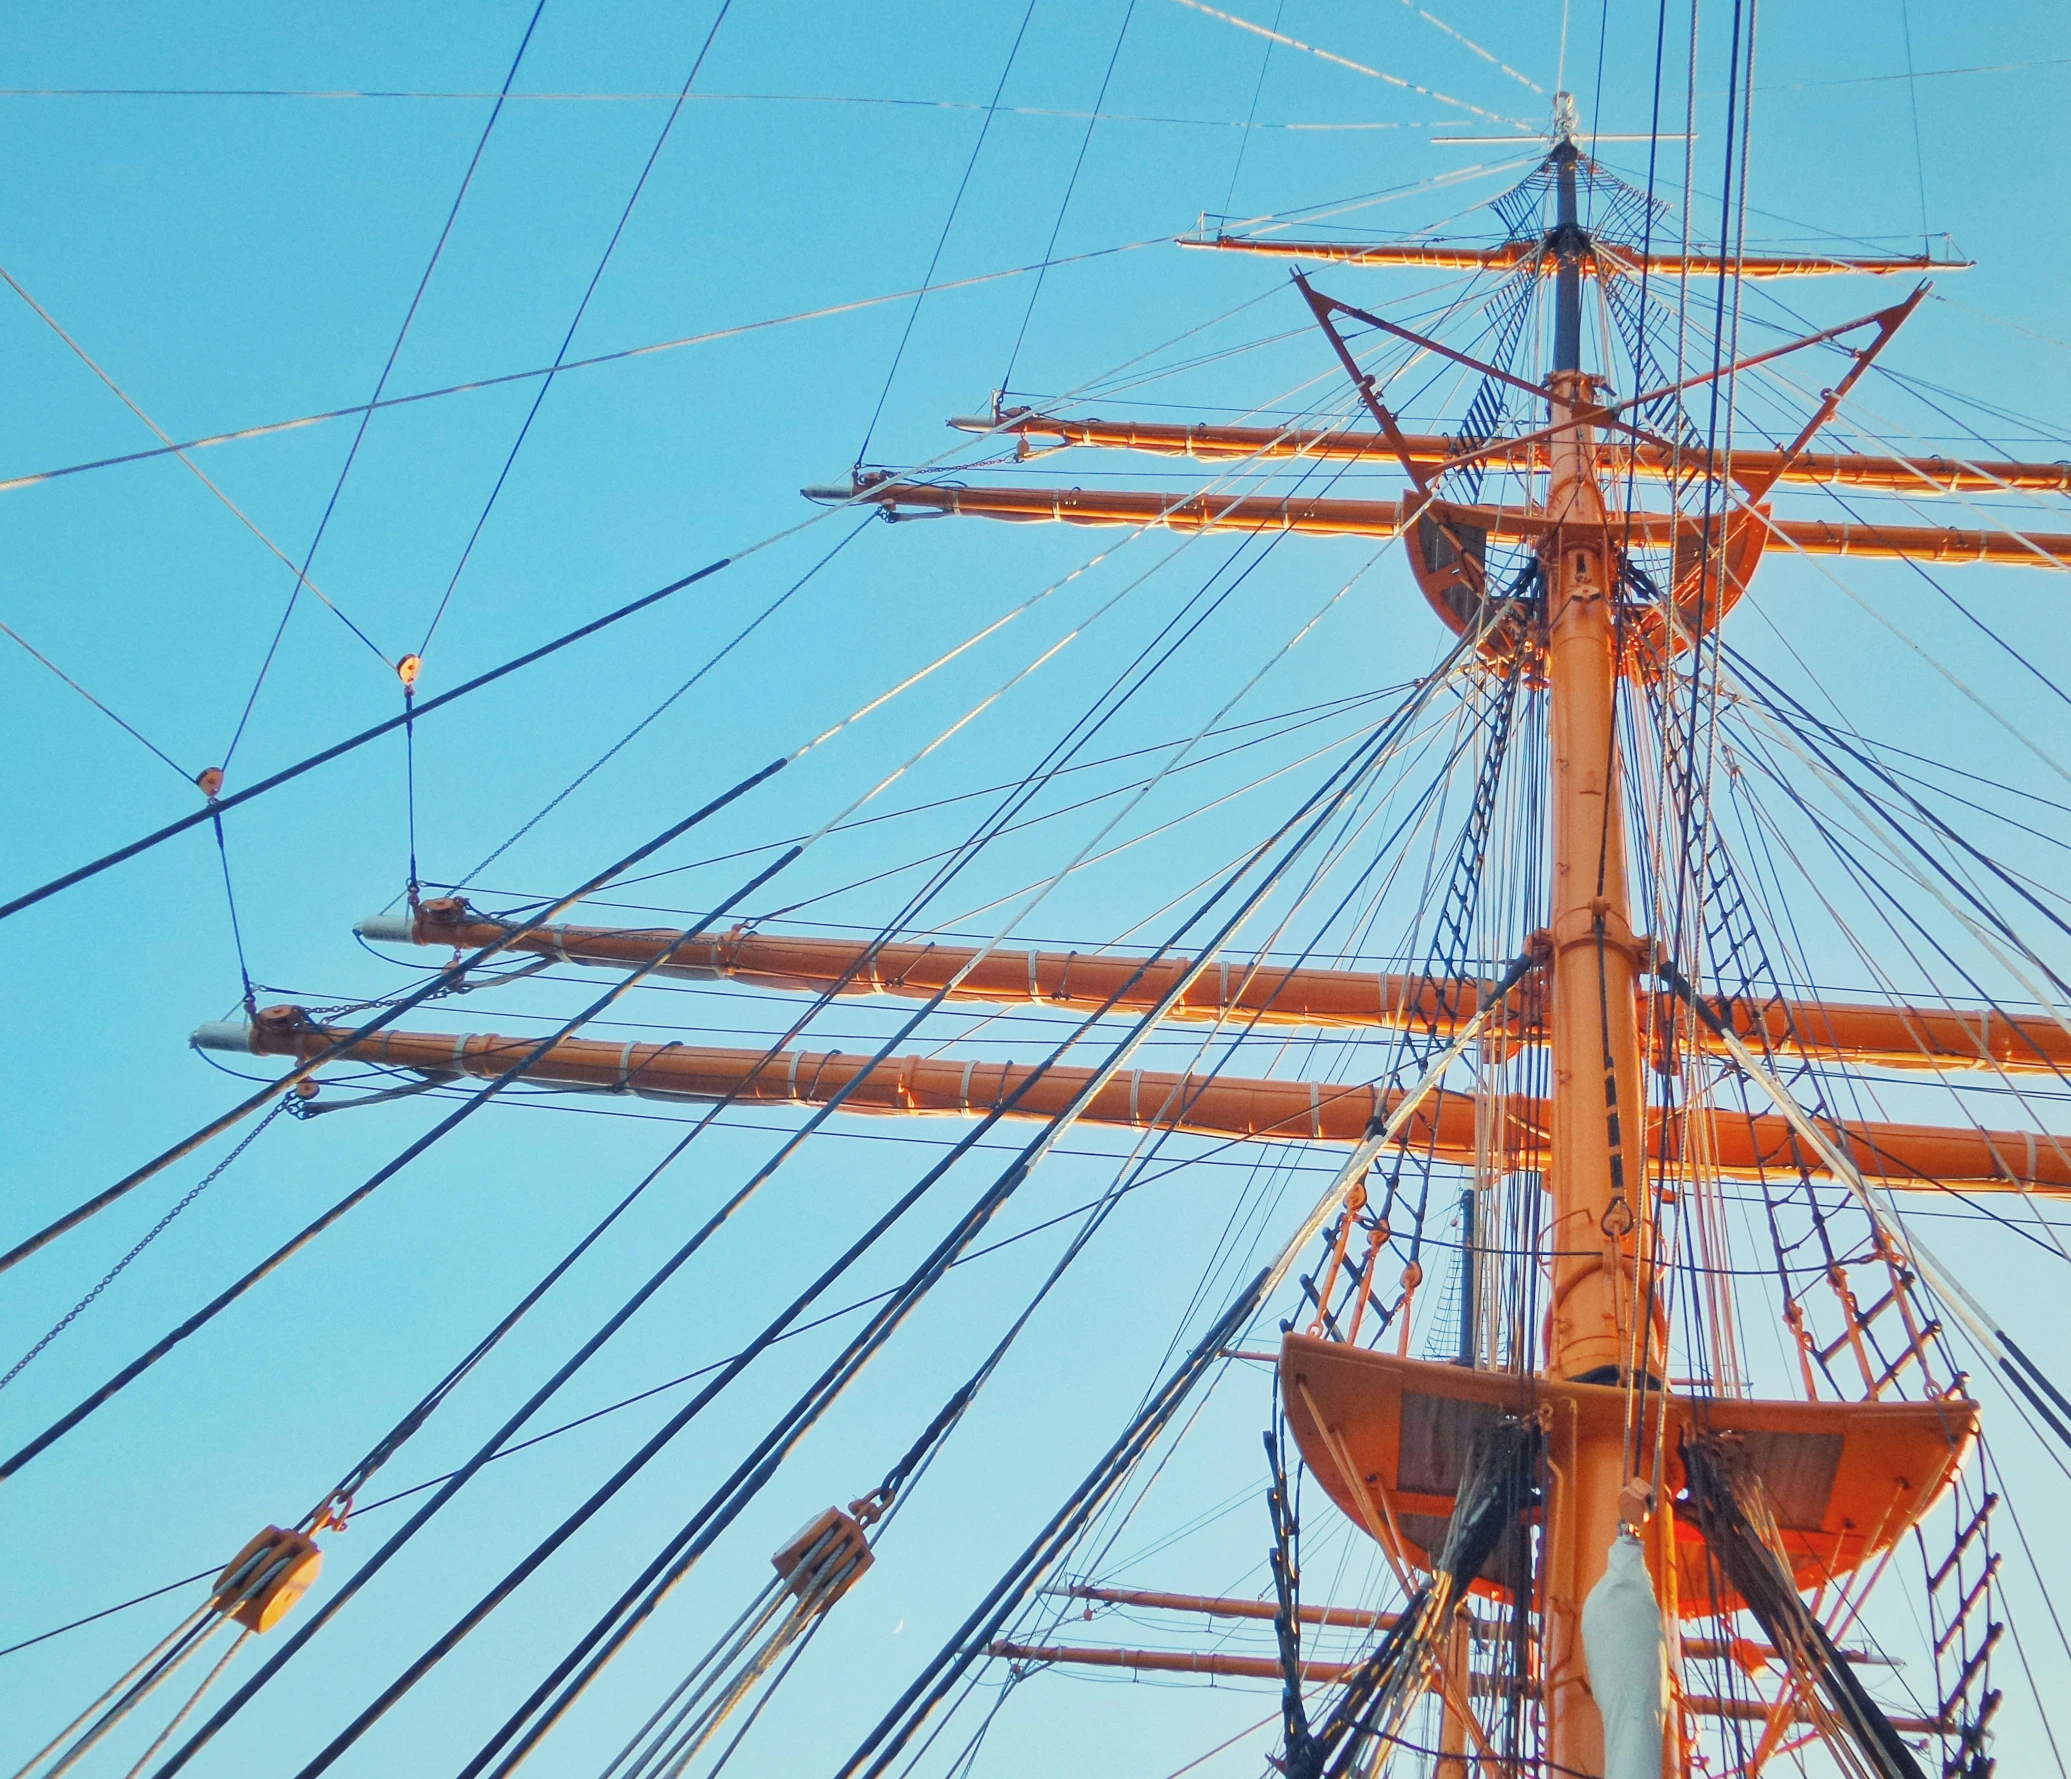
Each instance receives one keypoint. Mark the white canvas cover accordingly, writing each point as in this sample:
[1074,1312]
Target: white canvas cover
[1622,1643]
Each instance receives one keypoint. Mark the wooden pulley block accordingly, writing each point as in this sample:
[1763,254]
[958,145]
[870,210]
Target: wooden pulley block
[825,1559]
[265,1579]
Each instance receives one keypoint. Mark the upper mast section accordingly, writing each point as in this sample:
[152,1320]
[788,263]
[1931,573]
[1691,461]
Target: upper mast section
[1577,255]
[1569,243]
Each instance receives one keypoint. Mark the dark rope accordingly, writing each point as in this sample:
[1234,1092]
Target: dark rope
[249,1000]
[310,1231]
[1070,186]
[1721,1481]
[367,413]
[581,778]
[218,805]
[568,339]
[410,789]
[948,223]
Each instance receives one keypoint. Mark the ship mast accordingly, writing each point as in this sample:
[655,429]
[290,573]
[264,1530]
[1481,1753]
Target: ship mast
[1596,1175]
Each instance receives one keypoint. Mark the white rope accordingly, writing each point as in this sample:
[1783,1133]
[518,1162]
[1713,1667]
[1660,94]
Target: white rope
[1394,80]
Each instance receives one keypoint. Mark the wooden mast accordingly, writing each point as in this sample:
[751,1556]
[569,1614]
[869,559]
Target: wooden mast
[1596,1175]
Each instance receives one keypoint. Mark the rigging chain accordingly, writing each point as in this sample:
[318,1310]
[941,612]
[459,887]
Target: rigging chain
[156,1230]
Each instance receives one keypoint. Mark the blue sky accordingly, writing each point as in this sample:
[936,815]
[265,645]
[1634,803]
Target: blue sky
[235,260]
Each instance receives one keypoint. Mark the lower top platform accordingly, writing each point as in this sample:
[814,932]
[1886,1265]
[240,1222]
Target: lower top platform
[1388,1438]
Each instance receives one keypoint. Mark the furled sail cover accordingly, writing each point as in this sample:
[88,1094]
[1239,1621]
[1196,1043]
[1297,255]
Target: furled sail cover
[1621,1637]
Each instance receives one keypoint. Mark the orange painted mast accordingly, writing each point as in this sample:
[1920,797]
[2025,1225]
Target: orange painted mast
[1597,1164]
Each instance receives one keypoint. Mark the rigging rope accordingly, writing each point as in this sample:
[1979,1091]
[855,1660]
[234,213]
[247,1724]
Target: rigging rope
[410,881]
[948,222]
[1793,716]
[1905,25]
[1394,80]
[180,451]
[1322,713]
[1265,63]
[1070,185]
[244,972]
[218,805]
[581,778]
[128,728]
[66,1422]
[568,339]
[381,384]
[754,1471]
